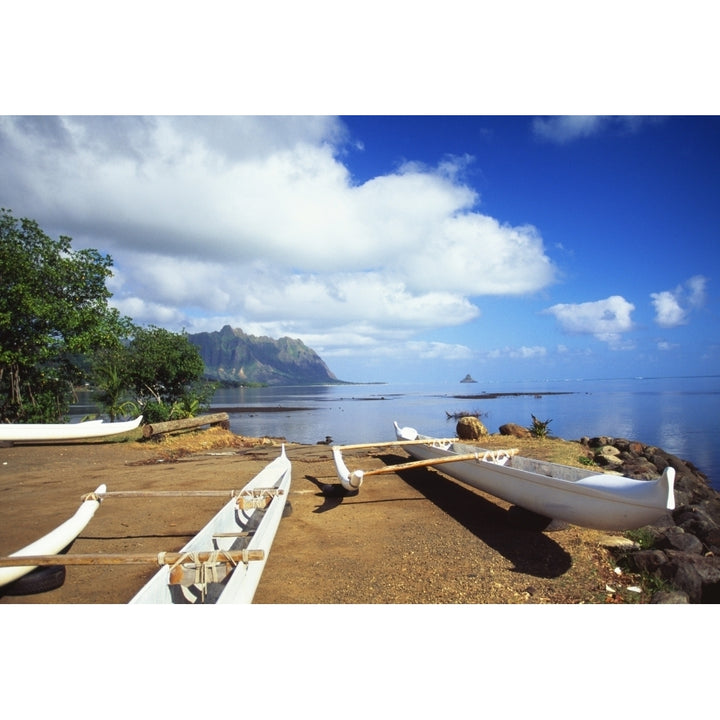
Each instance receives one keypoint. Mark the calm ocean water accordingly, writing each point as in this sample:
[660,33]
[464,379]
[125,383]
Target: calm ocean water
[678,414]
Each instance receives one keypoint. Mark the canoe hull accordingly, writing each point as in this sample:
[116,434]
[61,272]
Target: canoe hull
[55,541]
[41,432]
[580,497]
[262,523]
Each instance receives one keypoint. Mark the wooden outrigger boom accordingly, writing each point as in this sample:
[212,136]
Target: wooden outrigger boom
[159,558]
[161,493]
[353,481]
[390,443]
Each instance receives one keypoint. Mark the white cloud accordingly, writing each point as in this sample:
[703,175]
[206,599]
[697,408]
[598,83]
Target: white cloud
[147,313]
[696,287]
[672,307]
[668,312]
[521,353]
[605,319]
[567,127]
[256,222]
[563,129]
[529,352]
[438,350]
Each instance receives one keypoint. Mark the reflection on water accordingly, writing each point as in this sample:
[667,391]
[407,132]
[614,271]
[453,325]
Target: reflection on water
[677,414]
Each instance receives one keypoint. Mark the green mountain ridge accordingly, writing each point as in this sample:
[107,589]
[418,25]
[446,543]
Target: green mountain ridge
[232,356]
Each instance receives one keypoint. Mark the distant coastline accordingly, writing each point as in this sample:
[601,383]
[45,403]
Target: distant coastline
[491,396]
[233,409]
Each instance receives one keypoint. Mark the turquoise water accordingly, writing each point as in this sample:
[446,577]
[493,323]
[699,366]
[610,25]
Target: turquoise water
[679,415]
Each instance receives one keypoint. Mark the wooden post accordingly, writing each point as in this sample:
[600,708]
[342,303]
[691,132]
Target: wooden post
[222,419]
[161,494]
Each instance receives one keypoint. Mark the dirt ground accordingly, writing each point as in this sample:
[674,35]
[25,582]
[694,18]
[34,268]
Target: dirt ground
[409,537]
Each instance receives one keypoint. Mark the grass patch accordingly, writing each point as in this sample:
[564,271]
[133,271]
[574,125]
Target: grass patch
[215,438]
[643,537]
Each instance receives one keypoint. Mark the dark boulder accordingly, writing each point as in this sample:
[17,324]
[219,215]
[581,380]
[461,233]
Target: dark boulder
[647,560]
[675,538]
[697,575]
[683,575]
[683,549]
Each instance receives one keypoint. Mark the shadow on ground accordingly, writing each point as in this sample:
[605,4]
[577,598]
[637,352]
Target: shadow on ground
[515,533]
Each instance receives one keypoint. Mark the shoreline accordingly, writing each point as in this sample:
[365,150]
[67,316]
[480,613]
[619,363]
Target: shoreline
[413,536]
[333,548]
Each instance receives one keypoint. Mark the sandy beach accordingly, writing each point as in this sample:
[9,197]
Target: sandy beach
[409,537]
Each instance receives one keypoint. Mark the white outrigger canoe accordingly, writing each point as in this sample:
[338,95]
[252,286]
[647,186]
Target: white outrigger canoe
[560,492]
[56,540]
[223,563]
[42,432]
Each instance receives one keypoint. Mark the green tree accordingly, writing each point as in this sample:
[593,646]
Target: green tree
[110,380]
[53,312]
[165,370]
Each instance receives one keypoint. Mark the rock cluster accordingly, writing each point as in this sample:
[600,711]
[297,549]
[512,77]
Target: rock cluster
[683,551]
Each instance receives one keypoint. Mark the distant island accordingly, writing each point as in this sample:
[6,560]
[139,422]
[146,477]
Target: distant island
[468,379]
[231,356]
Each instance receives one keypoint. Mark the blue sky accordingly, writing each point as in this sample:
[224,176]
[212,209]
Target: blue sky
[416,195]
[401,248]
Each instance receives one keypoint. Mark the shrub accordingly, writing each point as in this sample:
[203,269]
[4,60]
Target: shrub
[539,428]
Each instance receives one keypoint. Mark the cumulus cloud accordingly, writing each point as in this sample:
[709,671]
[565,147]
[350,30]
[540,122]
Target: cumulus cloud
[605,319]
[672,307]
[258,223]
[522,353]
[696,290]
[529,352]
[668,312]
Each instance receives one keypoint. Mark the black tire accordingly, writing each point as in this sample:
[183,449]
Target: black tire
[39,580]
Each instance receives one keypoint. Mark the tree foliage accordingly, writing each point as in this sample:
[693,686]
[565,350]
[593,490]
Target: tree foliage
[164,370]
[57,330]
[158,373]
[53,312]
